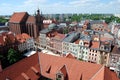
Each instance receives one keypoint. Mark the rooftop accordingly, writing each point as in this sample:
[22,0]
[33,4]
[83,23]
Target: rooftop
[18,17]
[44,31]
[71,37]
[50,65]
[31,19]
[95,45]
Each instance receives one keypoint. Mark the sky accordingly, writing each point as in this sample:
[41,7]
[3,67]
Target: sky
[8,7]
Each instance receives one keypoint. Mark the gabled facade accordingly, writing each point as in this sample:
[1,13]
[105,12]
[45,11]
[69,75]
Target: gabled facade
[17,22]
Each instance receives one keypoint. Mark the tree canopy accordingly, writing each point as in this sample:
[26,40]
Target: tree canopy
[13,56]
[107,18]
[2,20]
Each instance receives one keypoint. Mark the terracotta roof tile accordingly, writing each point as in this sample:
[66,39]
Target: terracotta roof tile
[25,36]
[59,36]
[31,19]
[11,37]
[115,50]
[74,72]
[74,69]
[109,75]
[95,45]
[17,17]
[64,71]
[22,37]
[16,69]
[6,36]
[77,41]
[105,39]
[69,55]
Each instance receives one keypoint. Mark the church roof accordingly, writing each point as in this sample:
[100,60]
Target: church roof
[18,17]
[31,19]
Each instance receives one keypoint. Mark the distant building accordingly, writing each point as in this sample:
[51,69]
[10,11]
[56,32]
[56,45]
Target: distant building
[7,41]
[117,15]
[20,42]
[46,34]
[114,60]
[46,23]
[22,22]
[17,22]
[70,38]
[25,42]
[57,42]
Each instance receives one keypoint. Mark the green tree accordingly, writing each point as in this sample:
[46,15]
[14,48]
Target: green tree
[65,31]
[2,20]
[13,56]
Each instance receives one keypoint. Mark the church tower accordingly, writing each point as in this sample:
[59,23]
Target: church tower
[39,20]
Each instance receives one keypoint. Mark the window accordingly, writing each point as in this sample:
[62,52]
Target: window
[95,59]
[59,76]
[105,57]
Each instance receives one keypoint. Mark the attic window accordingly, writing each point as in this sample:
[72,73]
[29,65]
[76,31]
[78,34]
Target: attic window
[35,70]
[59,76]
[25,76]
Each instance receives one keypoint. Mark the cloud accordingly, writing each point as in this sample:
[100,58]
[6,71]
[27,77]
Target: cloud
[71,6]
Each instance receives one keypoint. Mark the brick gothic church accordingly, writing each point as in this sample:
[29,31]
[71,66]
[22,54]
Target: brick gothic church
[22,22]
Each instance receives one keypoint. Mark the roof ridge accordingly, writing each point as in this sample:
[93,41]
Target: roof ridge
[96,73]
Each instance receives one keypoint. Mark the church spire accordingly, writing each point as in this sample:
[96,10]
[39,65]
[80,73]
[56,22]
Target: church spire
[38,11]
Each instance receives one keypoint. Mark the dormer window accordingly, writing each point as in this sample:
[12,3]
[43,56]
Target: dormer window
[59,76]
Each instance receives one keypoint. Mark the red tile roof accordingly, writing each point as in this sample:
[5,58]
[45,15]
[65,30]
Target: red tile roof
[105,74]
[22,37]
[105,24]
[7,36]
[59,36]
[17,17]
[11,37]
[69,55]
[25,36]
[77,41]
[31,19]
[64,71]
[110,75]
[116,50]
[95,45]
[16,69]
[105,39]
[73,69]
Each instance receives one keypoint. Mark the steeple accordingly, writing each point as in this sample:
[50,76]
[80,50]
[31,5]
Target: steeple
[38,11]
[39,20]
